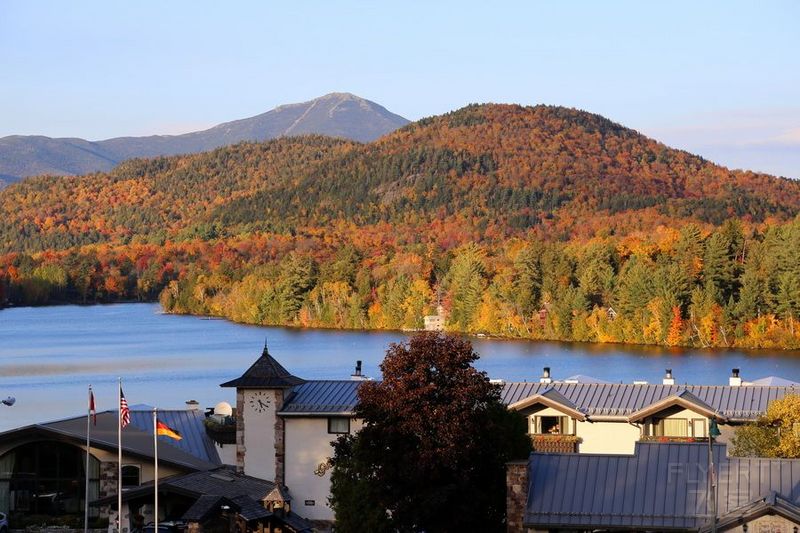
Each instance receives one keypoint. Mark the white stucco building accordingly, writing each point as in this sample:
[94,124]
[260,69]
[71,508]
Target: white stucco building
[285,425]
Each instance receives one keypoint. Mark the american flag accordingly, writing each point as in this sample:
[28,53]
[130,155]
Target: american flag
[124,412]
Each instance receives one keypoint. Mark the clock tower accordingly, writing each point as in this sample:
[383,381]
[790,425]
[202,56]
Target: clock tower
[260,434]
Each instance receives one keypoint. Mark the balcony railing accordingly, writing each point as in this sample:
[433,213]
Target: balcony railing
[555,443]
[651,438]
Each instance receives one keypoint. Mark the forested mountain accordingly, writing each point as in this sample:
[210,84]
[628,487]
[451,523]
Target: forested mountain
[336,115]
[539,222]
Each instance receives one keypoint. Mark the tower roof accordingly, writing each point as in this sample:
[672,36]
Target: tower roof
[265,373]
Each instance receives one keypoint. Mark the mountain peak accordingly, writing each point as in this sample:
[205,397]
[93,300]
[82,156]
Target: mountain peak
[338,114]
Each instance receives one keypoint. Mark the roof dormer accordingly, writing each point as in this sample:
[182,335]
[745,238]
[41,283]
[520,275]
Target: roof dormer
[682,399]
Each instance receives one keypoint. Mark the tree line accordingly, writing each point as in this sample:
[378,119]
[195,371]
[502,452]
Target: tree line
[730,286]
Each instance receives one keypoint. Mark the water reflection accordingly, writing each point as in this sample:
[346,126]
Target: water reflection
[49,355]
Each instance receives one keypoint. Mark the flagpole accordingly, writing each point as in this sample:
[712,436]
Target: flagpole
[155,476]
[86,495]
[119,457]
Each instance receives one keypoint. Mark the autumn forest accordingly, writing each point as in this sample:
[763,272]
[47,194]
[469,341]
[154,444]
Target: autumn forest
[533,222]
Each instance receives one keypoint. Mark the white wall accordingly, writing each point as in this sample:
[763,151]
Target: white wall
[308,446]
[596,437]
[617,437]
[607,437]
[259,432]
[227,453]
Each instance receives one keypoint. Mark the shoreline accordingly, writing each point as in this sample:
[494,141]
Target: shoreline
[587,345]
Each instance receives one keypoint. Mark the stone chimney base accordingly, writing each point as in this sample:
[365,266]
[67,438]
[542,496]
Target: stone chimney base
[516,495]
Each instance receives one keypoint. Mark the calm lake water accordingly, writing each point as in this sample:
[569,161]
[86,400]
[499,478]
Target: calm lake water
[49,355]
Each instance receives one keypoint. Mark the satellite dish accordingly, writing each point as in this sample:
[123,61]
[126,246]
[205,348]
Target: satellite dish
[9,401]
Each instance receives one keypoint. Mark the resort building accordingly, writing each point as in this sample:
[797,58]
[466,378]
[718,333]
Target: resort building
[659,487]
[42,473]
[586,415]
[285,425]
[264,465]
[42,466]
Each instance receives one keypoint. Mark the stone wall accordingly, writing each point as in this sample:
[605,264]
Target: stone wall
[108,486]
[767,524]
[516,494]
[280,441]
[240,450]
[108,479]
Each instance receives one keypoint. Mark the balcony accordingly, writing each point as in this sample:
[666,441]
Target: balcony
[547,443]
[662,438]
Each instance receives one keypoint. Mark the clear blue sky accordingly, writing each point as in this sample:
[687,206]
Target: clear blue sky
[720,78]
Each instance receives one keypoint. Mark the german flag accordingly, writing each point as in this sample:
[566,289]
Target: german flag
[165,430]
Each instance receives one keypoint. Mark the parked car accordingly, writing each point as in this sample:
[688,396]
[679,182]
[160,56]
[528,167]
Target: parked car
[174,526]
[3,523]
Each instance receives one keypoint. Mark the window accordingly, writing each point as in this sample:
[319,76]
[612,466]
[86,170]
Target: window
[40,478]
[672,427]
[680,427]
[699,427]
[550,425]
[339,425]
[130,476]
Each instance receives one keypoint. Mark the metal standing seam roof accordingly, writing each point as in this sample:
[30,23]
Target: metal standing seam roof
[189,423]
[323,397]
[662,486]
[551,397]
[745,402]
[771,503]
[134,439]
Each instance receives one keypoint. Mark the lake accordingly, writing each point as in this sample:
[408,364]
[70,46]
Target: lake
[49,356]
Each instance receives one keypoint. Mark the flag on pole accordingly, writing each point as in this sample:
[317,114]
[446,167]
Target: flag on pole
[124,412]
[92,410]
[165,430]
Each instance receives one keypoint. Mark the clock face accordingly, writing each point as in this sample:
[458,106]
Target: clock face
[259,401]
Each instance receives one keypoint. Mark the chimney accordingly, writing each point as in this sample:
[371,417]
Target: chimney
[357,375]
[546,376]
[668,378]
[192,405]
[735,380]
[517,487]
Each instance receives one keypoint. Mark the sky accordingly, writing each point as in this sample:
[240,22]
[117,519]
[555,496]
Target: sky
[717,78]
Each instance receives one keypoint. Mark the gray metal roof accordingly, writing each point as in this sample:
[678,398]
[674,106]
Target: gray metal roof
[747,402]
[662,486]
[774,381]
[189,423]
[771,503]
[622,399]
[134,440]
[322,398]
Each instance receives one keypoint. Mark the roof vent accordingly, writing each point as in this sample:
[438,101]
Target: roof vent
[735,380]
[546,376]
[668,378]
[192,405]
